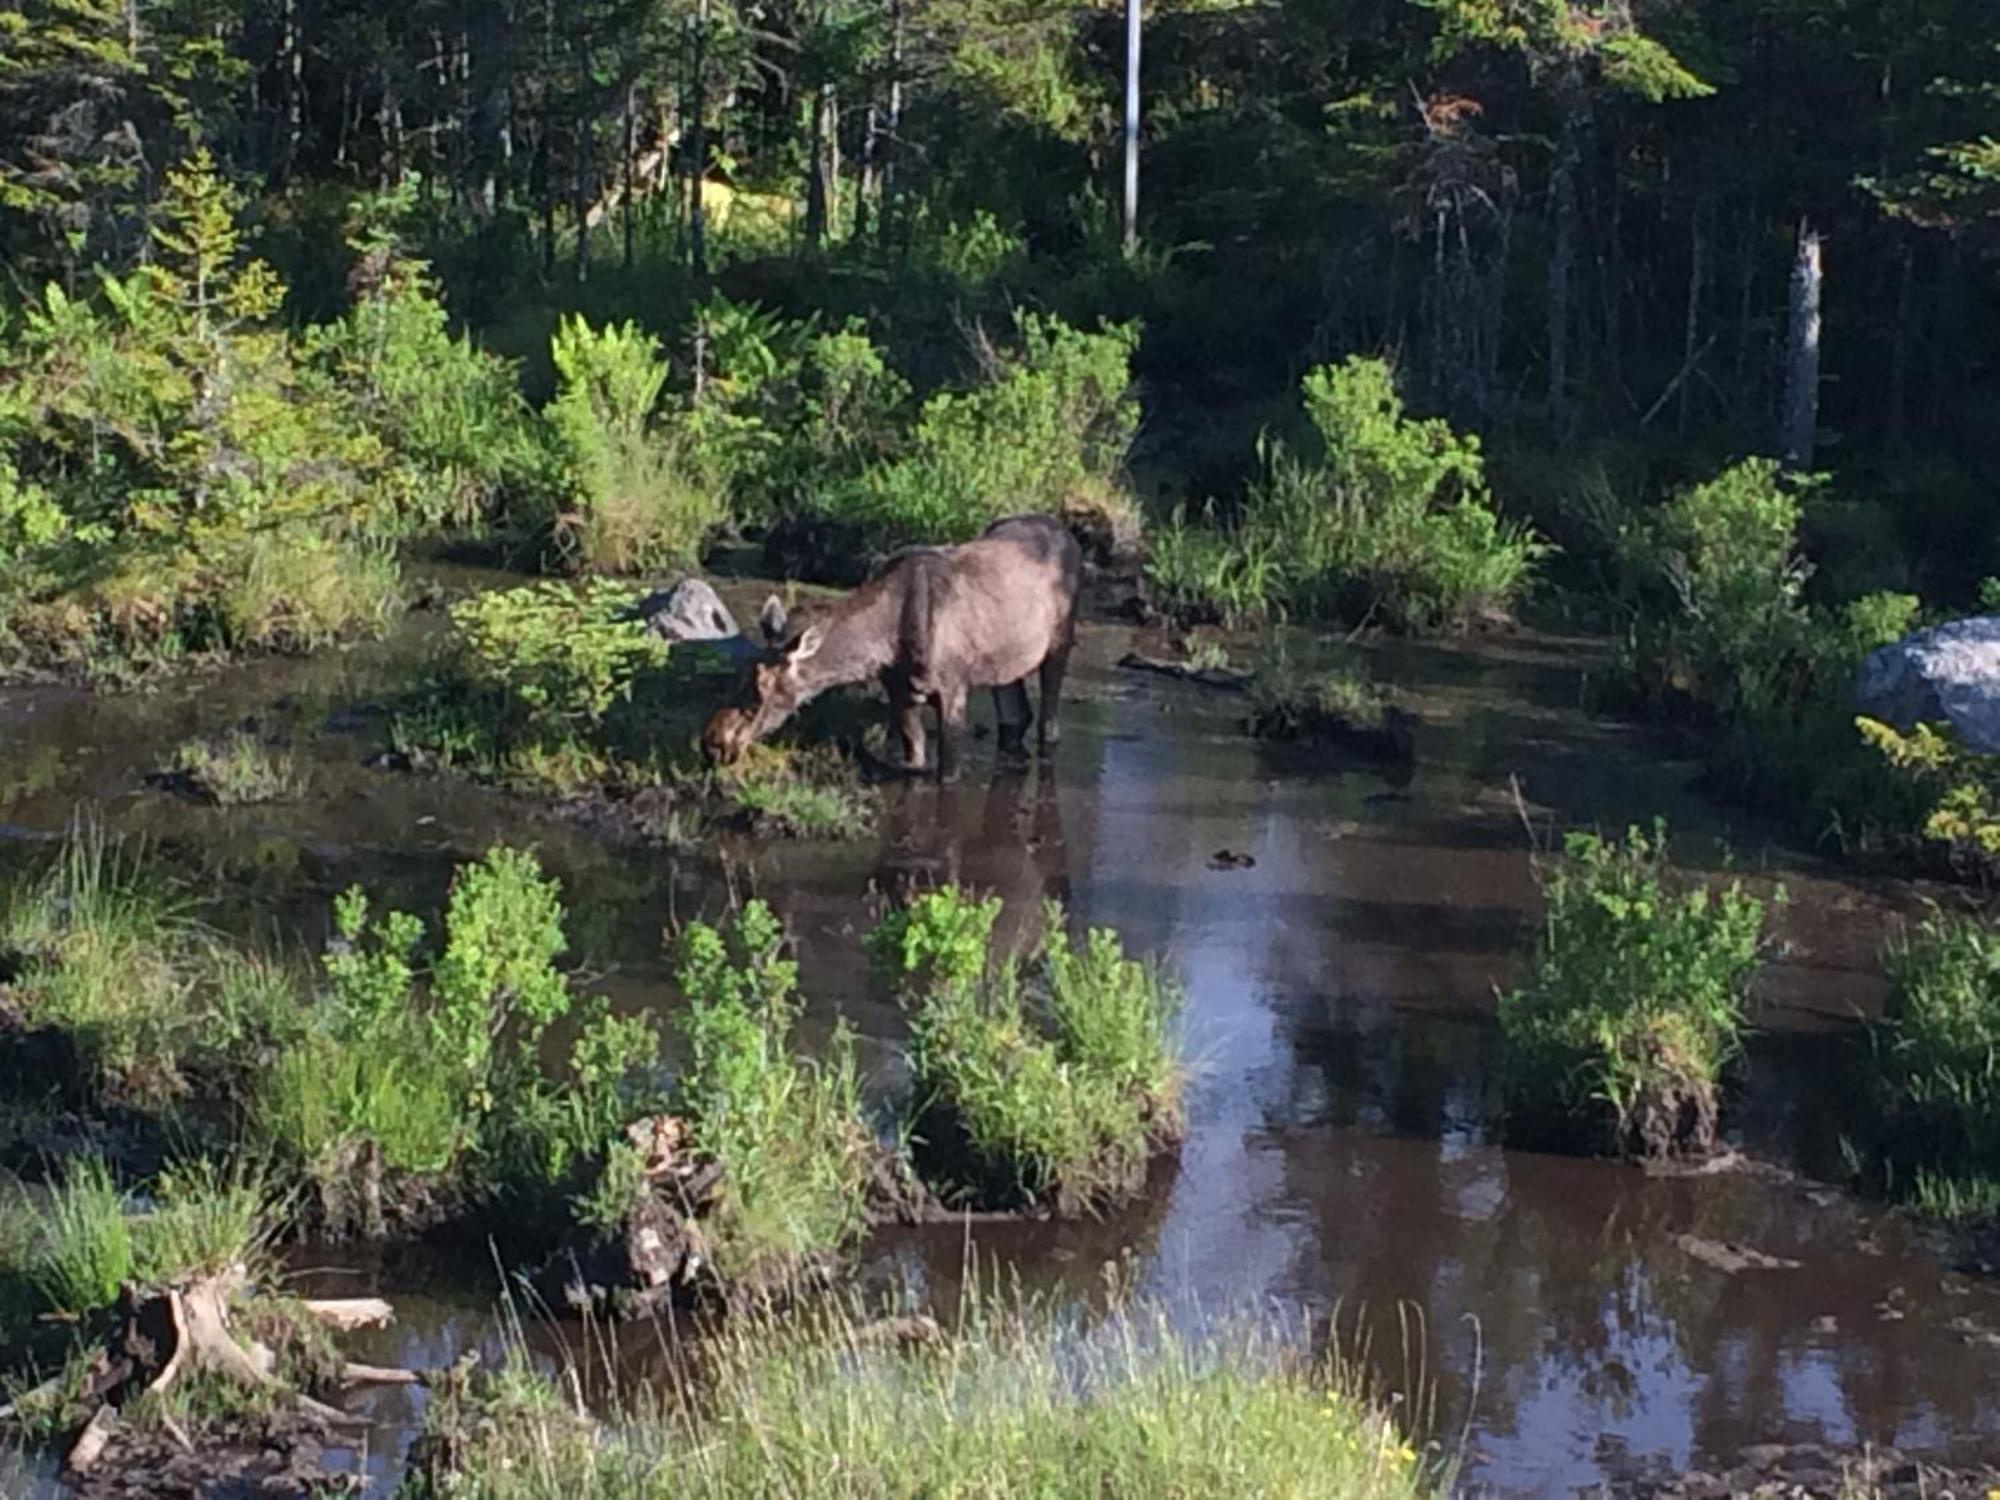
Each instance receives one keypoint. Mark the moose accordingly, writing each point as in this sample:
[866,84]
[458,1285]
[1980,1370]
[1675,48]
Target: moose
[931,625]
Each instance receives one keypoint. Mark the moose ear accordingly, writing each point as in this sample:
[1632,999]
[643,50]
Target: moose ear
[807,644]
[773,618]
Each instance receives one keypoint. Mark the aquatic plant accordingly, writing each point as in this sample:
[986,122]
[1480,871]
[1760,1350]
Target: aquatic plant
[1011,1400]
[236,768]
[1050,1080]
[1334,705]
[1936,1057]
[1634,999]
[787,1131]
[800,795]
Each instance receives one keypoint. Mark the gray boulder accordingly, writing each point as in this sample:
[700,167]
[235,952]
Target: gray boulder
[692,611]
[1949,673]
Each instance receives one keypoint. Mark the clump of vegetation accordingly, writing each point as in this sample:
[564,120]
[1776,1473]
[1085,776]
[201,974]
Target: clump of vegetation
[1393,522]
[1046,1081]
[1962,787]
[1634,1001]
[1937,1057]
[80,1242]
[1130,1407]
[234,769]
[795,1151]
[1338,706]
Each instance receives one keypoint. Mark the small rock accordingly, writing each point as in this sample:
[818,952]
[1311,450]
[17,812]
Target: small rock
[1229,859]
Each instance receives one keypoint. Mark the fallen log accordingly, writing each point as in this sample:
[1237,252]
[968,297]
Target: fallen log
[89,1445]
[1229,679]
[359,1374]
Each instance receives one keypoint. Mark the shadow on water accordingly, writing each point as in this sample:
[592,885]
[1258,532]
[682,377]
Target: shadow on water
[1340,1015]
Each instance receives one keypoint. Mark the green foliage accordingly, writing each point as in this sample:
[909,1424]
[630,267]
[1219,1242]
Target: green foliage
[1049,1081]
[1634,1000]
[1394,522]
[1959,784]
[1937,1053]
[788,1132]
[82,1241]
[796,795]
[639,495]
[236,768]
[1047,431]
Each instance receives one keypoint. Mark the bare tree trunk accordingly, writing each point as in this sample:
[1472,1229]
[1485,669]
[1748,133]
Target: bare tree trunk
[630,167]
[893,122]
[1131,199]
[1562,256]
[868,172]
[586,164]
[291,74]
[698,152]
[816,171]
[1801,419]
[1697,290]
[1899,348]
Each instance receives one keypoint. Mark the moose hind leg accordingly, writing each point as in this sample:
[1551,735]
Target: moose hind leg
[908,711]
[1012,715]
[1052,669]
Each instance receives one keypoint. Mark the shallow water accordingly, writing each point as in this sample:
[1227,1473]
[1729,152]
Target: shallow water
[1340,1014]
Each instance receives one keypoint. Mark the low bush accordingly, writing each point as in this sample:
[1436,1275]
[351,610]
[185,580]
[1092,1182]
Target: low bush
[80,1242]
[1634,1000]
[1012,1401]
[1937,1060]
[1047,1081]
[795,1151]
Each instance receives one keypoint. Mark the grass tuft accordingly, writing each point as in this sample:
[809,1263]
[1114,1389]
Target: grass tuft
[82,1243]
[236,768]
[1011,1402]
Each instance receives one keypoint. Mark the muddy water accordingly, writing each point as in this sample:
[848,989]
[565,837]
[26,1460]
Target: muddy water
[1340,1014]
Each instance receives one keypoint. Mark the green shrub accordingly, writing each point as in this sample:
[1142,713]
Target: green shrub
[1937,1057]
[1634,1000]
[639,498]
[236,768]
[1961,787]
[788,1132]
[82,1242]
[1048,1081]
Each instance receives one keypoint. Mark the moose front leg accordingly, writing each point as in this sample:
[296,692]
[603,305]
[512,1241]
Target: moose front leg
[951,731]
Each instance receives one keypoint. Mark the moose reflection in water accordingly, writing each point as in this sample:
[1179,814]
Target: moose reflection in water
[934,624]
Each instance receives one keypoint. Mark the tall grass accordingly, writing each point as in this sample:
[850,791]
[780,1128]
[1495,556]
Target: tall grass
[208,1216]
[1937,1058]
[106,954]
[81,1242]
[236,768]
[1012,1402]
[1634,1000]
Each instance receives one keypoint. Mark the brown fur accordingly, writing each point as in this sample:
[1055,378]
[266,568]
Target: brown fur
[934,624]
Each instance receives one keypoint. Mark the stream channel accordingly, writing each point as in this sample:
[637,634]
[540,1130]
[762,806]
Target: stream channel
[1340,1162]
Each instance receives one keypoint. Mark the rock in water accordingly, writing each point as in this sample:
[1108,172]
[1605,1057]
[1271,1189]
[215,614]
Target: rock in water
[692,611]
[1949,673]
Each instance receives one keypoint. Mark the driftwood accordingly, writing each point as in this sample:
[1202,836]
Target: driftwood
[349,1313]
[164,1334]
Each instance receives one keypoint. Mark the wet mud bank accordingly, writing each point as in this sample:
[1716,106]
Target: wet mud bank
[1339,1149]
